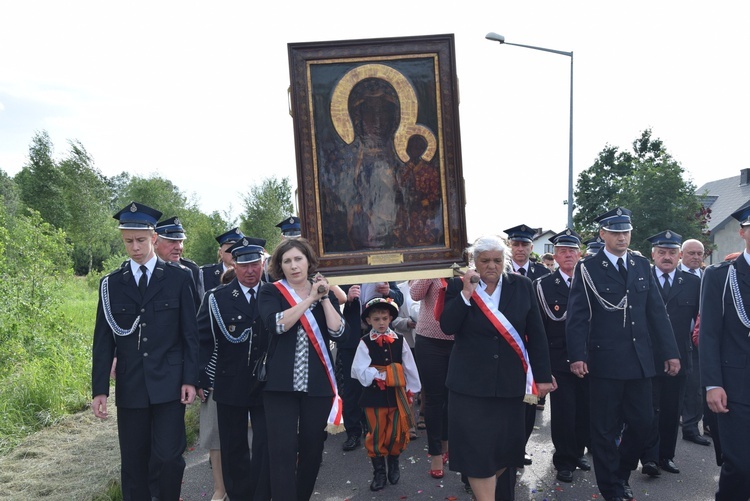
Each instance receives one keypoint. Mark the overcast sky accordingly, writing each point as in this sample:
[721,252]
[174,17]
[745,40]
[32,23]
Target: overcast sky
[197,91]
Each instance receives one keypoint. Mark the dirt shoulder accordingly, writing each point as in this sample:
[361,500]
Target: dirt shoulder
[74,459]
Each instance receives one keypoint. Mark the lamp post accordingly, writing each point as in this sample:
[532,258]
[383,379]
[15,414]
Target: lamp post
[501,39]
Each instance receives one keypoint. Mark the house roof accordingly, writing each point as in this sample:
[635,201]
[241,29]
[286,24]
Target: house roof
[723,196]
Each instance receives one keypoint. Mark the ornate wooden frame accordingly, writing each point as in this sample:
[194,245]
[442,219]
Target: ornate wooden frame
[376,126]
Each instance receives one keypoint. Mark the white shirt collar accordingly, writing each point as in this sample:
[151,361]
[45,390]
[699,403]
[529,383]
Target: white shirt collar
[136,268]
[614,258]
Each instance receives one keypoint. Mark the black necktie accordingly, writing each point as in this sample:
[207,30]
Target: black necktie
[251,300]
[568,281]
[665,288]
[143,281]
[621,268]
[522,271]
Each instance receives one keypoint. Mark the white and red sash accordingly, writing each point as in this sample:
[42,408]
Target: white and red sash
[316,340]
[506,330]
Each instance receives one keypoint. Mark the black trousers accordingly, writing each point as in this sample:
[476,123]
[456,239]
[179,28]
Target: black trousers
[692,407]
[154,435]
[296,426]
[734,430]
[569,419]
[350,391]
[432,356]
[246,477]
[668,394]
[614,403]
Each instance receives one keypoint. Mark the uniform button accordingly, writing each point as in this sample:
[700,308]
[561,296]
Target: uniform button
[143,324]
[145,354]
[143,310]
[632,323]
[145,339]
[494,356]
[627,291]
[387,359]
[630,306]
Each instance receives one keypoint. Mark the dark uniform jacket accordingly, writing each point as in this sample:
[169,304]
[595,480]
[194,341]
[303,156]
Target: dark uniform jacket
[615,346]
[724,339]
[389,353]
[280,364]
[554,292]
[482,363]
[153,370]
[211,275]
[536,270]
[197,279]
[227,366]
[682,307]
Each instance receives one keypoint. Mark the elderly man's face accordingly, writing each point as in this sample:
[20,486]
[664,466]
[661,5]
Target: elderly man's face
[168,250]
[692,255]
[665,258]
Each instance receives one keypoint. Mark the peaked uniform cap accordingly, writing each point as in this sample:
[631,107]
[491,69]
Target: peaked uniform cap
[291,227]
[136,216]
[615,220]
[522,233]
[667,238]
[171,229]
[566,238]
[247,250]
[230,236]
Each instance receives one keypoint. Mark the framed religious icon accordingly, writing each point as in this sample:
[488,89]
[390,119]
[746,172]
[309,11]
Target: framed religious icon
[378,155]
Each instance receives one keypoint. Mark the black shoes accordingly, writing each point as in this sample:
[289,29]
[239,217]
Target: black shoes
[565,475]
[696,439]
[352,442]
[378,477]
[669,466]
[583,464]
[649,468]
[526,459]
[627,491]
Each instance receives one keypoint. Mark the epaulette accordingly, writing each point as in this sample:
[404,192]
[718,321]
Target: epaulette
[124,268]
[179,266]
[589,257]
[189,261]
[722,264]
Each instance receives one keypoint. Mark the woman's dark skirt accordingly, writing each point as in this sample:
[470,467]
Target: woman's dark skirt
[486,434]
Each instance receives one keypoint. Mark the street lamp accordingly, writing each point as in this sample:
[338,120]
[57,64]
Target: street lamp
[501,39]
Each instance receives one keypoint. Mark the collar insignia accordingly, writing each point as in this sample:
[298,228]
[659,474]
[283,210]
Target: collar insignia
[557,281]
[632,263]
[605,263]
[235,293]
[217,272]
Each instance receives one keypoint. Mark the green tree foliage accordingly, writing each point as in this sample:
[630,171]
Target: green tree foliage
[650,183]
[266,205]
[201,231]
[42,183]
[10,193]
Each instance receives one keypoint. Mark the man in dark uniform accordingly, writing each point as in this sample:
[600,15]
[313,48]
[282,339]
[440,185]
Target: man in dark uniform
[146,314]
[211,273]
[691,259]
[169,247]
[290,227]
[616,327]
[569,420]
[681,294]
[521,244]
[351,389]
[233,339]
[725,372]
[593,245]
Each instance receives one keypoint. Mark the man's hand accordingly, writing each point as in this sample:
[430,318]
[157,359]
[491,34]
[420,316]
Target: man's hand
[544,388]
[580,369]
[672,366]
[716,398]
[99,406]
[202,394]
[187,394]
[353,293]
[383,289]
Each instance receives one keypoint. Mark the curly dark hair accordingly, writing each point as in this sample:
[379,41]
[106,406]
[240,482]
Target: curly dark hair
[286,245]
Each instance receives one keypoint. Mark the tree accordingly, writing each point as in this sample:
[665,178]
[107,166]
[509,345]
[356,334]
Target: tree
[156,192]
[87,198]
[10,193]
[647,181]
[266,205]
[41,182]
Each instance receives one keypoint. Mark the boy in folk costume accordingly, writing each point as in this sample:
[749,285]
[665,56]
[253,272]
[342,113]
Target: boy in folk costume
[386,368]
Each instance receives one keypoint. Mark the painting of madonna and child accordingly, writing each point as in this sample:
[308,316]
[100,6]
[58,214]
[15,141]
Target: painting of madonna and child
[383,144]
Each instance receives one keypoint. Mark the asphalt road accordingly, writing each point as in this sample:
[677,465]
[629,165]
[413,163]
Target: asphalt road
[347,475]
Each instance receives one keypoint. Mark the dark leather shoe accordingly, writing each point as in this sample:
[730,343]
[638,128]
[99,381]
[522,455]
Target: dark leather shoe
[697,439]
[565,475]
[583,464]
[668,465]
[649,468]
[526,459]
[352,442]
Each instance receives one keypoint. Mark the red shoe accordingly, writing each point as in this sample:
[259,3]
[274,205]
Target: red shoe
[436,473]
[445,457]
